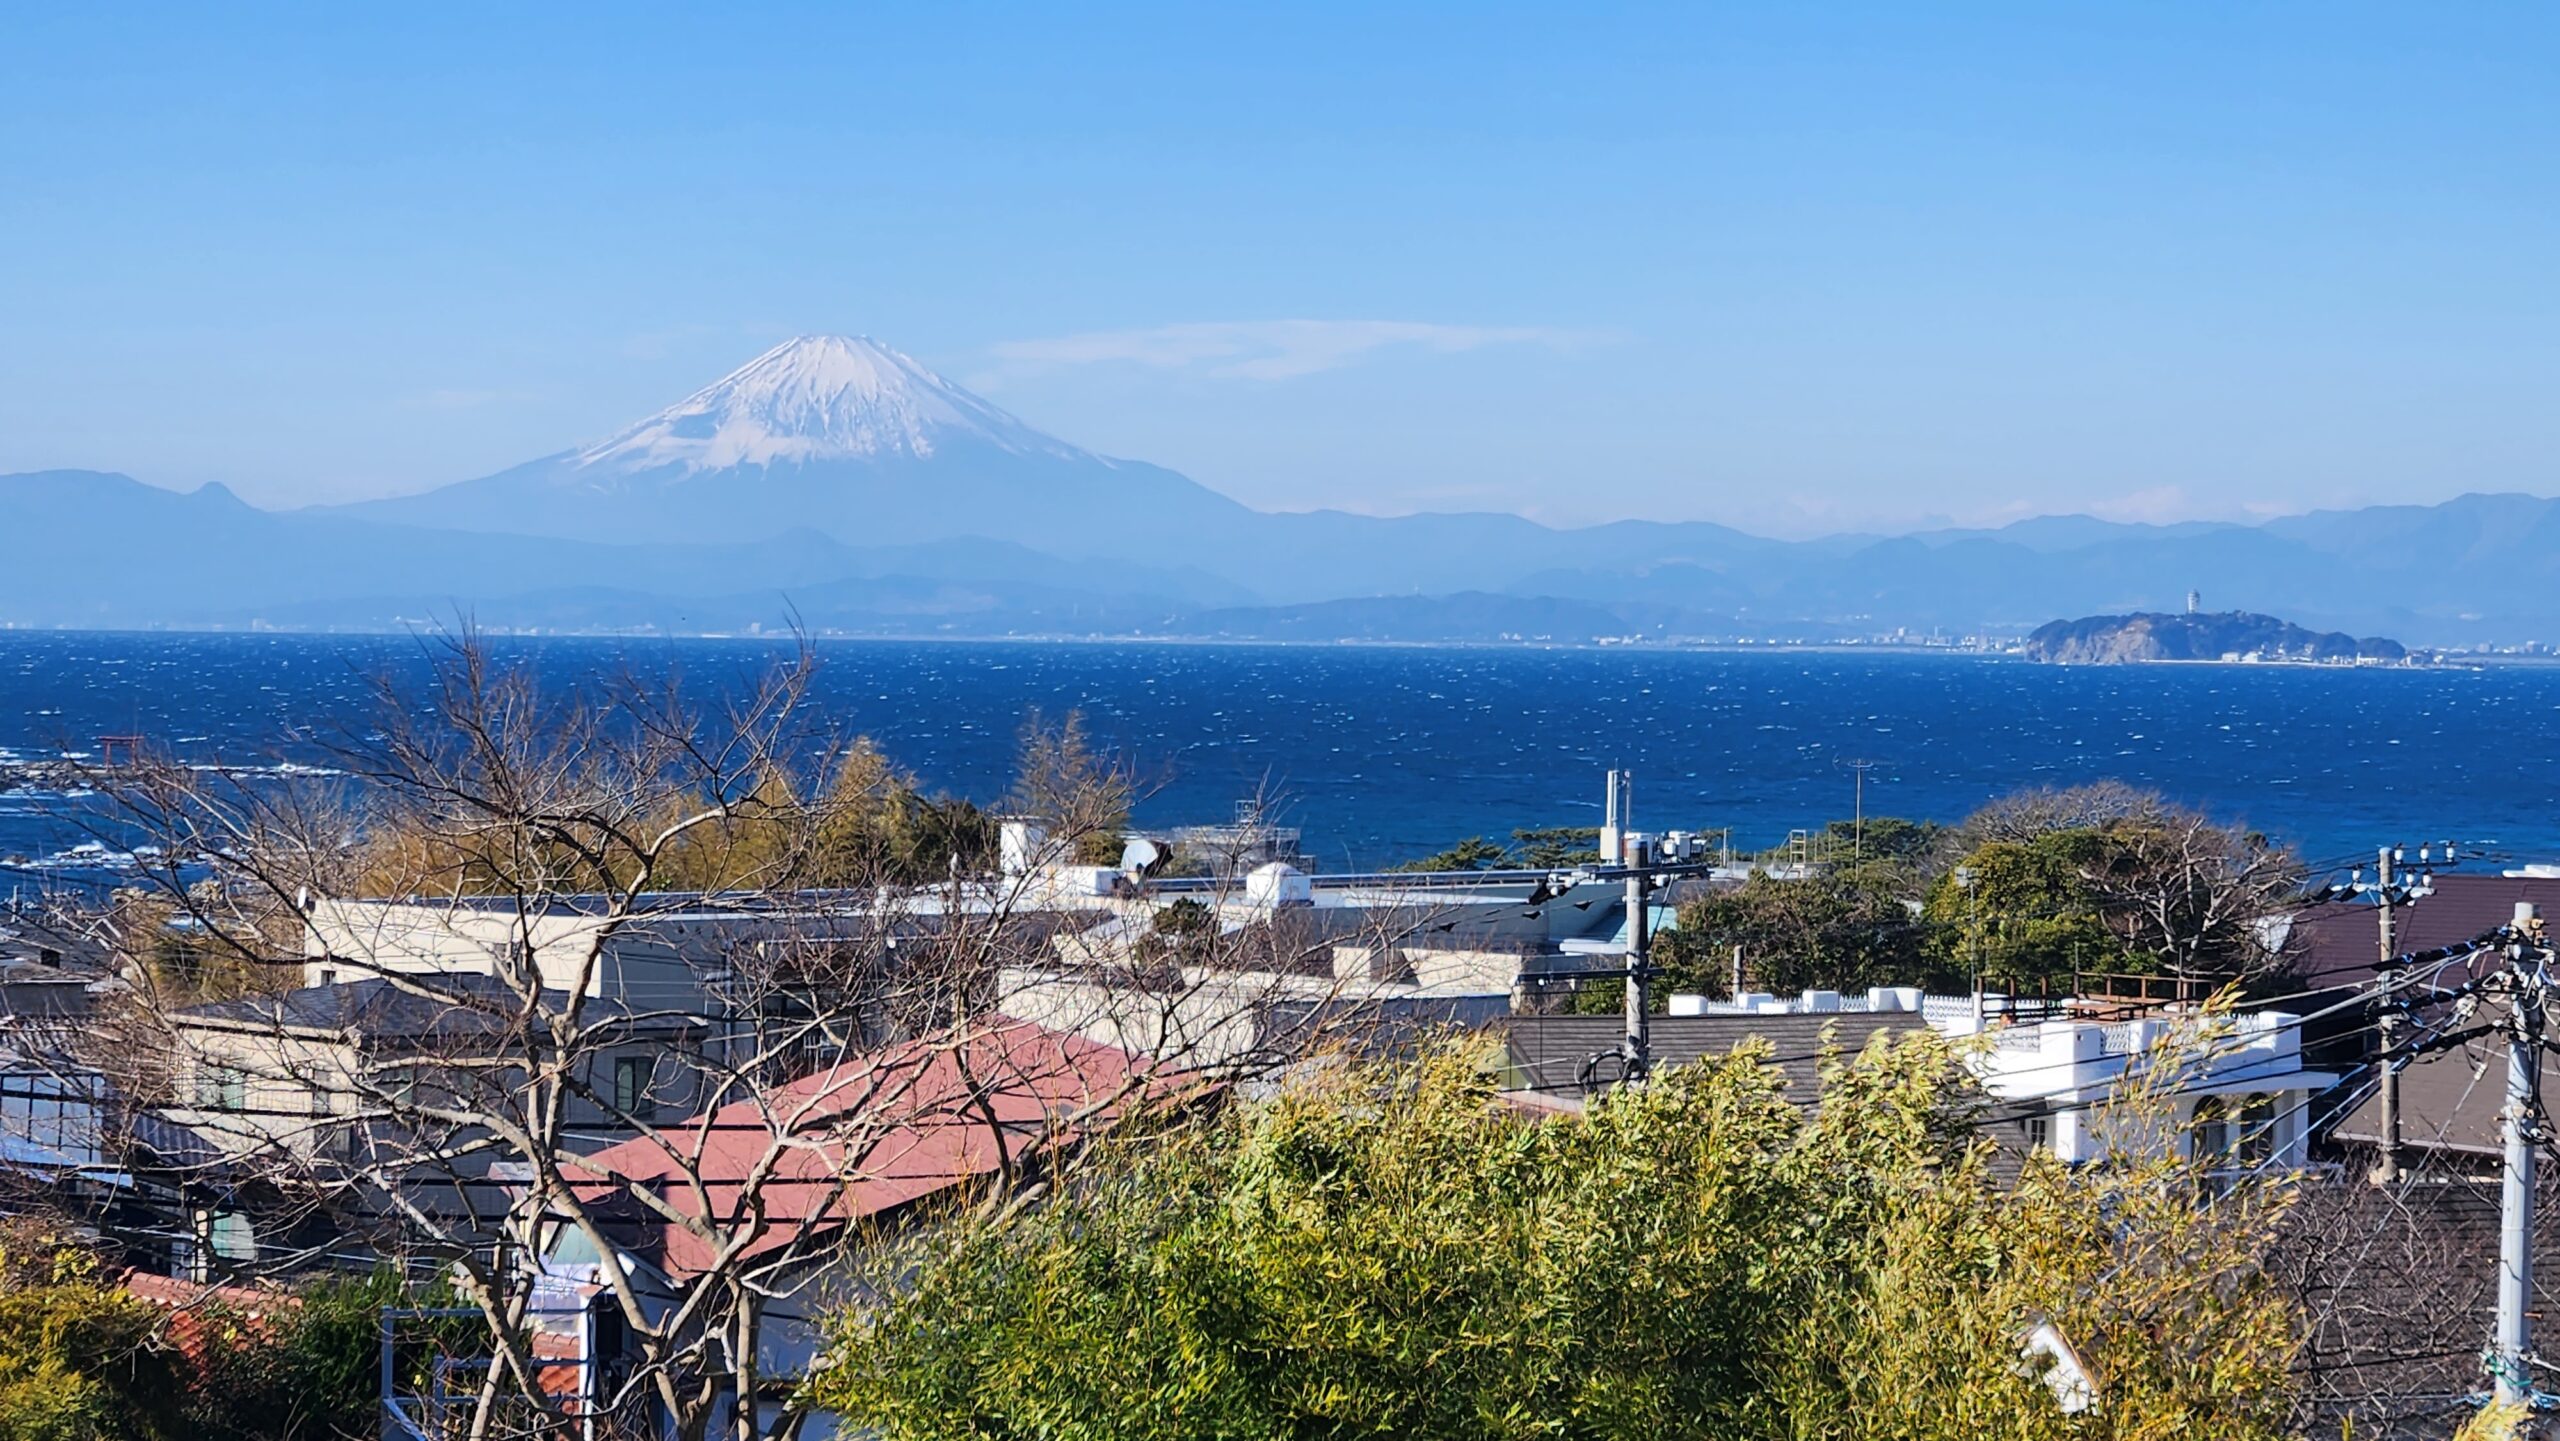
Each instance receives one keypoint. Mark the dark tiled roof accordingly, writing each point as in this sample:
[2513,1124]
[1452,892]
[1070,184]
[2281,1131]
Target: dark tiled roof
[424,1008]
[1548,1053]
[172,1146]
[2395,1287]
[2450,1099]
[2341,944]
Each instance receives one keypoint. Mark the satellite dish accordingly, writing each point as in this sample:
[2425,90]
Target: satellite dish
[1141,856]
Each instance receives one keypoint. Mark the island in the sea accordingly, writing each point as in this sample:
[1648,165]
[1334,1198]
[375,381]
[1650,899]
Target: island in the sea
[2224,636]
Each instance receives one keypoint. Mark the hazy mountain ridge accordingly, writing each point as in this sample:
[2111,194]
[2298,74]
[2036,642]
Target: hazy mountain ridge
[120,553]
[842,479]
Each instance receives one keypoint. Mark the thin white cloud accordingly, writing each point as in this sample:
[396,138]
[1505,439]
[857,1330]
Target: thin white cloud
[1269,349]
[460,399]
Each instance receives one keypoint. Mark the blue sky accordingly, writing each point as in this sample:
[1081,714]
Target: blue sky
[1796,268]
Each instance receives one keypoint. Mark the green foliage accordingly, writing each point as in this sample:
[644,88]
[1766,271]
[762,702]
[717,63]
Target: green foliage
[1556,847]
[1185,917]
[875,825]
[1181,930]
[303,1372]
[1388,1252]
[1073,788]
[1541,847]
[1842,929]
[79,1359]
[1475,853]
[1883,838]
[2028,914]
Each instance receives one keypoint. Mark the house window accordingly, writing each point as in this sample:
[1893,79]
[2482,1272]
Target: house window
[59,1114]
[222,1088]
[2235,1131]
[631,1076]
[2039,1129]
[815,1050]
[232,1238]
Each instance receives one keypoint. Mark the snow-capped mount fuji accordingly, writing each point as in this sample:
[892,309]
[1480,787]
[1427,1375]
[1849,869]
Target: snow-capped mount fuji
[842,435]
[820,397]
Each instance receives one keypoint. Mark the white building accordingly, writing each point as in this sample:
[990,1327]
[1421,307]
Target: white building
[2227,1085]
[2231,1085]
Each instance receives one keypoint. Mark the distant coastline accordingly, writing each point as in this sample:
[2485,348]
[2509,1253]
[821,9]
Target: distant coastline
[2007,648]
[2226,637]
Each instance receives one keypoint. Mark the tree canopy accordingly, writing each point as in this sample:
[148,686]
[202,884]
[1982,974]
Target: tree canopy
[1531,848]
[1386,1251]
[1844,929]
[2035,888]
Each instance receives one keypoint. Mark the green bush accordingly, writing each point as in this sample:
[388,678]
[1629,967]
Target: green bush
[1388,1252]
[79,1358]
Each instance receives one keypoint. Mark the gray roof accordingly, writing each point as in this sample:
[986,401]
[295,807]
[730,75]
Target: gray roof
[1550,1053]
[2450,1099]
[2340,945]
[420,1008]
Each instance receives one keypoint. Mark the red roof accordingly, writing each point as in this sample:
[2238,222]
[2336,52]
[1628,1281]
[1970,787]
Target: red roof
[191,1305]
[863,1137]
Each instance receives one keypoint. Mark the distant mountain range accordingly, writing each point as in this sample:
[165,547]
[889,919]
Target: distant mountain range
[838,482]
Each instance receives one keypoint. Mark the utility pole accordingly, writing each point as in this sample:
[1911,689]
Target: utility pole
[1973,937]
[1858,806]
[2511,1355]
[2386,1170]
[2393,887]
[1636,852]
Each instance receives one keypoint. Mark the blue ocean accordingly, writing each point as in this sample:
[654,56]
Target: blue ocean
[1384,753]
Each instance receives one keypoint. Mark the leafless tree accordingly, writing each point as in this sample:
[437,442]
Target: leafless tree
[2024,815]
[2395,1286]
[2203,898]
[530,988]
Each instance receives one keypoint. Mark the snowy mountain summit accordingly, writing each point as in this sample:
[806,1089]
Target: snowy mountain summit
[842,436]
[819,398]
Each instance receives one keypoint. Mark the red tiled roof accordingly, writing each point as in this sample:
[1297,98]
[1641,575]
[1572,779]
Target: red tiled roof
[864,1137]
[192,1305]
[177,1295]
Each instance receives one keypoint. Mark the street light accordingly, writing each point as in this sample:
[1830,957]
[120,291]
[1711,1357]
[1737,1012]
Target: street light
[1973,935]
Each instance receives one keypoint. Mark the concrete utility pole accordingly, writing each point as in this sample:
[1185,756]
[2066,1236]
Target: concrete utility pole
[2386,1170]
[2510,1359]
[1638,853]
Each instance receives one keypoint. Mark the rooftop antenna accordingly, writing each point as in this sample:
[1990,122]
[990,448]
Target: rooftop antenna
[1620,816]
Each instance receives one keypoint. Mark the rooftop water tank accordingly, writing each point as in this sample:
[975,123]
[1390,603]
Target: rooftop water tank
[1893,998]
[1021,846]
[1279,884]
